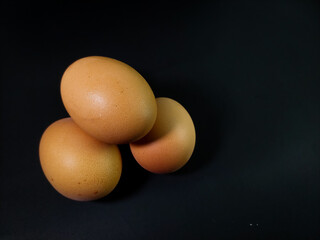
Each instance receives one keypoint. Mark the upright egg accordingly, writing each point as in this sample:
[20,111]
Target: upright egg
[108,99]
[77,165]
[170,143]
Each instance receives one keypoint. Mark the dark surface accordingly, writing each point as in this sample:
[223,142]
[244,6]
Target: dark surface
[248,73]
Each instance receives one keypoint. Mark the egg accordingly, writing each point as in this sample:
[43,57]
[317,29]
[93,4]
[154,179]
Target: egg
[77,165]
[108,99]
[170,143]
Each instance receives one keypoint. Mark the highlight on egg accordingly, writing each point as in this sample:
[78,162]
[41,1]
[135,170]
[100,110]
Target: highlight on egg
[108,99]
[170,143]
[77,165]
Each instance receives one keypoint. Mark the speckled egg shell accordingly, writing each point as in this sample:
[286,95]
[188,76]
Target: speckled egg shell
[77,165]
[108,99]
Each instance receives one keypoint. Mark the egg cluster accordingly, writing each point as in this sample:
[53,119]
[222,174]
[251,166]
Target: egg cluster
[110,103]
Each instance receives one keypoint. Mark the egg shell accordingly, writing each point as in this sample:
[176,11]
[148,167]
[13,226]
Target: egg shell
[108,99]
[170,143]
[77,165]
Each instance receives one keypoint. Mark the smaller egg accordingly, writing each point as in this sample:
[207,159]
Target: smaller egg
[77,165]
[170,143]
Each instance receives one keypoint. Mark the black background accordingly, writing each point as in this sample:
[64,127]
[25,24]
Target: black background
[248,73]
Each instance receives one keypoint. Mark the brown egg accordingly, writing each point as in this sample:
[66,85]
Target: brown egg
[108,99]
[170,143]
[77,165]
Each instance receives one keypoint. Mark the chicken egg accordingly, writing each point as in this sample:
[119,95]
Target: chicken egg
[108,99]
[170,143]
[77,165]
